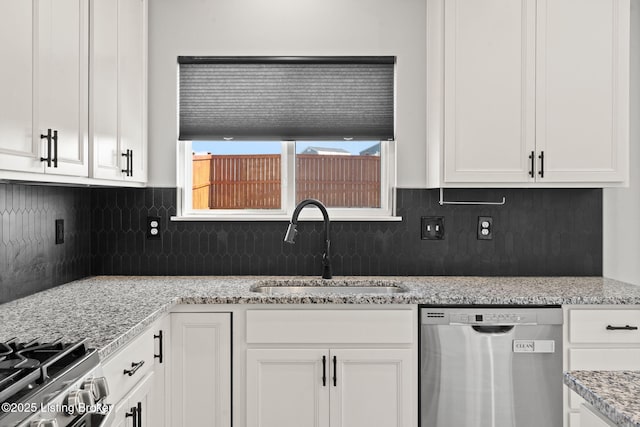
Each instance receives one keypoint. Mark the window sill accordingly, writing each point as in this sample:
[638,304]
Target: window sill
[287,218]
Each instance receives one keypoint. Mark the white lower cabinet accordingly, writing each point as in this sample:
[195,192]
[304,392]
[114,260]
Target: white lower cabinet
[590,417]
[136,377]
[332,387]
[200,389]
[285,387]
[136,409]
[159,414]
[341,384]
[373,388]
[603,338]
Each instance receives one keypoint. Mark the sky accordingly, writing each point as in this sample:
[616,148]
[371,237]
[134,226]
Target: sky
[271,147]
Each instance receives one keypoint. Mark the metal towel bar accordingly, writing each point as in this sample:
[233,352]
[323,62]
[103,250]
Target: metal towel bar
[443,202]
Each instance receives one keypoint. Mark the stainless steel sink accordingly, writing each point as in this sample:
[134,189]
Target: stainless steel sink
[287,288]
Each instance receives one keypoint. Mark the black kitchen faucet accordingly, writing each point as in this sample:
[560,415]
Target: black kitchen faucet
[290,236]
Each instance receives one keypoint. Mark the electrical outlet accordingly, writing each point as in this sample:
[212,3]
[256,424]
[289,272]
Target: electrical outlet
[153,227]
[59,231]
[432,227]
[485,228]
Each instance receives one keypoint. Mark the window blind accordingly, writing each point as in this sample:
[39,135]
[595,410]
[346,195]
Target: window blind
[297,98]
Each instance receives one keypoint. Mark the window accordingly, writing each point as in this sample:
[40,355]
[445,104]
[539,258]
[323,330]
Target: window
[266,179]
[259,135]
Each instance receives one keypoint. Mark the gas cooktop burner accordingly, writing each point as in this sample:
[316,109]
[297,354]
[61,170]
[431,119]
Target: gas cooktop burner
[24,366]
[33,373]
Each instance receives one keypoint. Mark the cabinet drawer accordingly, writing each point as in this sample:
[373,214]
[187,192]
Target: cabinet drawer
[590,326]
[590,417]
[330,326]
[601,359]
[139,350]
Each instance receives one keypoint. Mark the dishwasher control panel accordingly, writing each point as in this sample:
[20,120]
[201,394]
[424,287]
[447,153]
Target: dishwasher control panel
[490,316]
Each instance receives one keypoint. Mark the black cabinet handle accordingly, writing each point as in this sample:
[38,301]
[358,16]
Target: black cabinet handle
[128,155]
[324,371]
[159,338]
[131,163]
[55,148]
[622,328]
[134,414]
[139,412]
[134,368]
[541,157]
[48,136]
[532,157]
[335,371]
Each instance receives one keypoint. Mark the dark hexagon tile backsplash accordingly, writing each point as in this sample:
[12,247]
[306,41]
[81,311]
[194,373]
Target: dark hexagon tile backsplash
[538,232]
[30,261]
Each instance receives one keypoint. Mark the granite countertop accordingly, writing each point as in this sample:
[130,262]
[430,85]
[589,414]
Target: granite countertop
[613,393]
[110,310]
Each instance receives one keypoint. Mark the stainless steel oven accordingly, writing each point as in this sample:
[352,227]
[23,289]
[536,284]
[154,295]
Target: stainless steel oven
[491,367]
[52,384]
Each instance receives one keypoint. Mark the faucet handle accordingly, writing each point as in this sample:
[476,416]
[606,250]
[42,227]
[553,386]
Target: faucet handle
[290,235]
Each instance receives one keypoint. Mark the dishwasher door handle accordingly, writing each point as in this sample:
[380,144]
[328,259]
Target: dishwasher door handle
[492,329]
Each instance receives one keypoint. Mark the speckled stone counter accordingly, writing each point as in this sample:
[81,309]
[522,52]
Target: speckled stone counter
[613,393]
[110,310]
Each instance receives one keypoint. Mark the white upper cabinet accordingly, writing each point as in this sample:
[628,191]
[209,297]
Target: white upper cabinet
[43,112]
[19,150]
[118,123]
[62,70]
[582,89]
[73,102]
[489,70]
[528,93]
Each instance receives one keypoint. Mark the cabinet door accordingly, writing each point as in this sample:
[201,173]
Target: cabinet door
[590,418]
[489,99]
[134,409]
[118,88]
[373,387]
[285,388]
[141,399]
[582,90]
[62,83]
[132,82]
[200,369]
[19,148]
[159,411]
[120,410]
[104,90]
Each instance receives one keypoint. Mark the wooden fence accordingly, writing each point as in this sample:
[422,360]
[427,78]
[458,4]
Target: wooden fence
[253,181]
[236,181]
[339,181]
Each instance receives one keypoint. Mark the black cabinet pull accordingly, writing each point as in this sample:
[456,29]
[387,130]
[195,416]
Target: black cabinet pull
[47,159]
[335,371]
[129,168]
[532,157]
[324,371]
[622,328]
[134,368]
[134,414]
[139,412]
[541,157]
[159,338]
[55,148]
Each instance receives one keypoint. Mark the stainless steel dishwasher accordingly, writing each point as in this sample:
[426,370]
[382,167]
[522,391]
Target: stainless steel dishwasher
[490,367]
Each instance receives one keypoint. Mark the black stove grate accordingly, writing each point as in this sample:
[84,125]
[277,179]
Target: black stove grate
[27,366]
